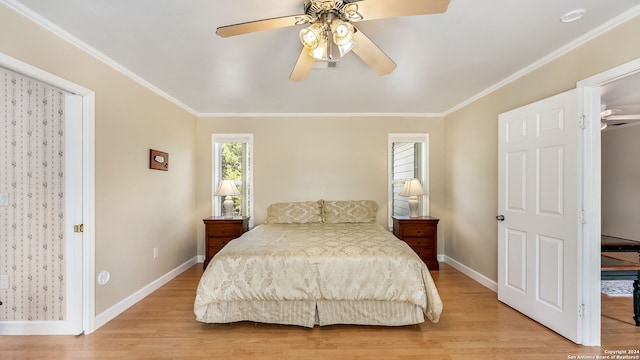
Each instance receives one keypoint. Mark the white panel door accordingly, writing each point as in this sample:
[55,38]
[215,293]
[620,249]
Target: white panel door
[538,197]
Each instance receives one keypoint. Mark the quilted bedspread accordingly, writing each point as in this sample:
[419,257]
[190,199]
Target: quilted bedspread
[293,262]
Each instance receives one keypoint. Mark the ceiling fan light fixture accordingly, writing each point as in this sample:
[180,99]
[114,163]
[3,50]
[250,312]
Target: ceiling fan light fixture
[342,32]
[350,11]
[312,36]
[324,5]
[343,36]
[321,52]
[344,49]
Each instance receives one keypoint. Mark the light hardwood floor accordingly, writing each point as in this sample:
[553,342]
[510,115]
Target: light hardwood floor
[474,325]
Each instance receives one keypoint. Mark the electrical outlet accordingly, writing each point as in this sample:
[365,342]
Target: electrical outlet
[155,252]
[4,282]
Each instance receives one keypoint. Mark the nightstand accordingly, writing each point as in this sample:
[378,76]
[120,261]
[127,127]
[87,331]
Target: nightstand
[421,234]
[219,231]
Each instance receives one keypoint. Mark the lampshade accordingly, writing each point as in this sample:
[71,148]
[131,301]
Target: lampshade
[227,188]
[412,187]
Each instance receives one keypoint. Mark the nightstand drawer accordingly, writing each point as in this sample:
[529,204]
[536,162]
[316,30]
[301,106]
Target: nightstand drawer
[218,242]
[420,241]
[224,230]
[424,252]
[213,249]
[417,230]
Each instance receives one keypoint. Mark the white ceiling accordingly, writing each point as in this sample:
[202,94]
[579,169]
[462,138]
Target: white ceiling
[443,60]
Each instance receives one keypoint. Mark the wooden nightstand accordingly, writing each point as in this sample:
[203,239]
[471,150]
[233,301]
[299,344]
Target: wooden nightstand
[219,231]
[421,234]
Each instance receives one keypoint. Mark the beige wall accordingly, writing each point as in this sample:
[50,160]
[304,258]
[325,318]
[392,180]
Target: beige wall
[471,143]
[312,158]
[137,209]
[621,182]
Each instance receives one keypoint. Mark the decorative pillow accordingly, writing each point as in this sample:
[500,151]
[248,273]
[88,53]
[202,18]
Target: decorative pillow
[295,212]
[352,211]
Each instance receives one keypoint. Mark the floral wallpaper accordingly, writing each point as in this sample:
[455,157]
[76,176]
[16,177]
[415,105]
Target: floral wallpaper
[32,224]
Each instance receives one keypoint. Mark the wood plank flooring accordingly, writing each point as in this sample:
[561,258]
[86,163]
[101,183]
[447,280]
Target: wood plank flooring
[474,325]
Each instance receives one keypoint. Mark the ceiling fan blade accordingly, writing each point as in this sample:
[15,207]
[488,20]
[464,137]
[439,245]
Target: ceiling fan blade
[259,25]
[383,9]
[622,118]
[303,66]
[372,55]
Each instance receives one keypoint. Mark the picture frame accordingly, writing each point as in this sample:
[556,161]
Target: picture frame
[158,160]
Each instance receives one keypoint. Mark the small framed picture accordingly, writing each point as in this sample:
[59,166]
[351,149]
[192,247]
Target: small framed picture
[158,160]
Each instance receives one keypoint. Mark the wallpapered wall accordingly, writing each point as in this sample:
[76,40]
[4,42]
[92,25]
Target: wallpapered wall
[32,226]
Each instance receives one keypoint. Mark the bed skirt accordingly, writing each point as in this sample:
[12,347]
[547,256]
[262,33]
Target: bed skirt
[310,313]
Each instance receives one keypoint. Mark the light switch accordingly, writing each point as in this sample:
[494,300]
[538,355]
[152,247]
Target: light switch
[4,282]
[4,199]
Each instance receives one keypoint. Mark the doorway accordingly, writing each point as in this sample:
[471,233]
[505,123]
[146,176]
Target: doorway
[591,88]
[81,126]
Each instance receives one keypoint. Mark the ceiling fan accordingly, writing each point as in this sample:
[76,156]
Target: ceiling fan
[608,117]
[331,31]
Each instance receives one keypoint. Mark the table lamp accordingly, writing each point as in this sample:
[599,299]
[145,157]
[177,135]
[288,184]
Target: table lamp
[227,188]
[412,188]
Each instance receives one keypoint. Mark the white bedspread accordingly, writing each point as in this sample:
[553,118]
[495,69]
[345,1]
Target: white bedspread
[302,262]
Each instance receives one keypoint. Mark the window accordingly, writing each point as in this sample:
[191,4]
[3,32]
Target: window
[408,158]
[233,160]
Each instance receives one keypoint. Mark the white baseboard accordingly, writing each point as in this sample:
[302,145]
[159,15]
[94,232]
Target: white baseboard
[34,328]
[123,305]
[483,280]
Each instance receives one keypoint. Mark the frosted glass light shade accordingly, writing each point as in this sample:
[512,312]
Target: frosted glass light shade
[311,37]
[342,32]
[343,36]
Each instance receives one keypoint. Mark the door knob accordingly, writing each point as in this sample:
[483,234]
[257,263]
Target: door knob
[500,217]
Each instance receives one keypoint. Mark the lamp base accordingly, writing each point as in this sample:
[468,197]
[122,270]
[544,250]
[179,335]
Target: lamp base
[413,207]
[228,207]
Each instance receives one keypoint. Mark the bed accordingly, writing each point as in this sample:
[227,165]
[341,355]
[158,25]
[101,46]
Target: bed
[318,263]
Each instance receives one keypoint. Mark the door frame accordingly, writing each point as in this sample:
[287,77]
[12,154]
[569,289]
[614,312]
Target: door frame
[590,97]
[88,179]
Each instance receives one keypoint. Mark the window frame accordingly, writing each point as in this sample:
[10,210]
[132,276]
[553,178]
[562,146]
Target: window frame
[423,176]
[247,172]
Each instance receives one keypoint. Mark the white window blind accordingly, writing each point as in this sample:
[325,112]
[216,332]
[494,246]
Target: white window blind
[408,158]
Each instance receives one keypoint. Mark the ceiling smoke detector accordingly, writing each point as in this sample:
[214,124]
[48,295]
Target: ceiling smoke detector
[572,16]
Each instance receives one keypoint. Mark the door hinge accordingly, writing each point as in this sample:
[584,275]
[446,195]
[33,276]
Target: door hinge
[583,122]
[582,218]
[78,228]
[581,311]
